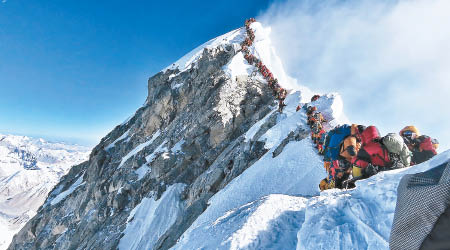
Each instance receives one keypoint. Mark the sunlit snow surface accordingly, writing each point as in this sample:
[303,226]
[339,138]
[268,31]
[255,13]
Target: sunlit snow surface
[189,60]
[29,168]
[61,196]
[276,203]
[138,148]
[150,219]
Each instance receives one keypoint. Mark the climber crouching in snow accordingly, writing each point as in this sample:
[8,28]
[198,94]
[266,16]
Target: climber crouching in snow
[337,166]
[365,151]
[422,147]
[379,154]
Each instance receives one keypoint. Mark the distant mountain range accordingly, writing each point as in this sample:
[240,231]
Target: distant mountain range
[29,168]
[208,162]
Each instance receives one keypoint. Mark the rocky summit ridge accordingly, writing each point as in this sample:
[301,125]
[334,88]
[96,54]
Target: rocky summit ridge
[210,162]
[190,132]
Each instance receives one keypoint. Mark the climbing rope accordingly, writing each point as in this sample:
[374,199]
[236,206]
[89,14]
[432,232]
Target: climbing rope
[316,120]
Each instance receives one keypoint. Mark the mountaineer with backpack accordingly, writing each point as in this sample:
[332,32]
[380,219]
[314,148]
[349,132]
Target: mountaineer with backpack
[422,147]
[315,98]
[337,167]
[333,141]
[340,147]
[321,142]
[281,96]
[311,116]
[379,153]
[316,121]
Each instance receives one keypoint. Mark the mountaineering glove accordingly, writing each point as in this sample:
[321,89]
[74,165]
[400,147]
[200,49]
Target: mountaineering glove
[396,161]
[370,170]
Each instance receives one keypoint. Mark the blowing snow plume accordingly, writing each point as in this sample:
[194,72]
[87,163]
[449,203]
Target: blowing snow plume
[388,59]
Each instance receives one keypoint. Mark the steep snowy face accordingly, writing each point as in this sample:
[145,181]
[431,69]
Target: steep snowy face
[359,218]
[276,204]
[29,168]
[246,214]
[209,163]
[186,143]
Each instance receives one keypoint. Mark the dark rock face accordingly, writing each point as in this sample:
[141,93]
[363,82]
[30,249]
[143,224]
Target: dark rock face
[189,131]
[297,135]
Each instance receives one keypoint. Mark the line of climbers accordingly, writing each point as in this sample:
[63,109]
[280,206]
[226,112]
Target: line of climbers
[355,152]
[351,152]
[279,92]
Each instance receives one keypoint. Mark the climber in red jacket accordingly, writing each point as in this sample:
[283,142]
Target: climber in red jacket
[373,155]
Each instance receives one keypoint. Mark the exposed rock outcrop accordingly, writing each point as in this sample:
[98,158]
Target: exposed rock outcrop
[190,130]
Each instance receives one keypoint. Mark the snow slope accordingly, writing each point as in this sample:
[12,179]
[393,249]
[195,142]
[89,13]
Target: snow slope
[276,203]
[29,168]
[151,219]
[189,60]
[242,214]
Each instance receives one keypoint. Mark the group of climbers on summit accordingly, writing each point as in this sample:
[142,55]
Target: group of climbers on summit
[279,92]
[354,152]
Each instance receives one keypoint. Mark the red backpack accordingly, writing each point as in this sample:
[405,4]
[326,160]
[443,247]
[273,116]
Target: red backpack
[369,134]
[372,151]
[375,153]
[426,144]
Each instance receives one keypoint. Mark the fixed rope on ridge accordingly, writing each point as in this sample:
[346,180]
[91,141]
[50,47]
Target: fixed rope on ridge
[345,167]
[350,151]
[279,92]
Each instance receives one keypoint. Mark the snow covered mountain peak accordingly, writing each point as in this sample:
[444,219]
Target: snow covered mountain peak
[188,61]
[210,163]
[29,168]
[262,49]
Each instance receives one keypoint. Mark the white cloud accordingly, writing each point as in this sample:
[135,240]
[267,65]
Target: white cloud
[390,60]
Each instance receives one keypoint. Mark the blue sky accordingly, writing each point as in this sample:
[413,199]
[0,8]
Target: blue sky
[388,59]
[72,70]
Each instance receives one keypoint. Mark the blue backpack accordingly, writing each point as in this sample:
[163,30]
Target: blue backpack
[333,141]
